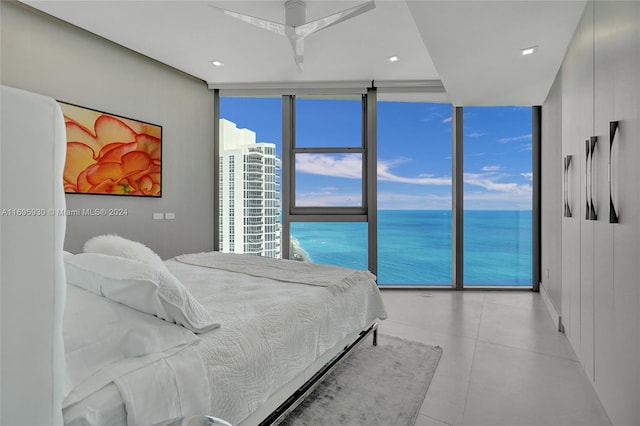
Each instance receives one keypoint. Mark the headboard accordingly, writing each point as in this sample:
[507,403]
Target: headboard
[32,279]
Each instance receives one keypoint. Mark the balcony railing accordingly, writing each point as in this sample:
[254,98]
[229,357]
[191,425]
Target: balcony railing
[253,213]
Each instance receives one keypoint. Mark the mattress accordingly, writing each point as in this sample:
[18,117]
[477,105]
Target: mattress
[271,332]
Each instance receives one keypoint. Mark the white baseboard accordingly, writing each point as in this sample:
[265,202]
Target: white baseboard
[555,316]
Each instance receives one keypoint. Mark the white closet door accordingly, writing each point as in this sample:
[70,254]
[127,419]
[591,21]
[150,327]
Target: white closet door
[617,380]
[584,82]
[574,197]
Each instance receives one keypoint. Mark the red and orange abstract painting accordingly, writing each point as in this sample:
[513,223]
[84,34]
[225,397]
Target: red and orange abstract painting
[109,154]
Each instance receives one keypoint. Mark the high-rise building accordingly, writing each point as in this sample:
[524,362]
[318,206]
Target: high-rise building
[249,193]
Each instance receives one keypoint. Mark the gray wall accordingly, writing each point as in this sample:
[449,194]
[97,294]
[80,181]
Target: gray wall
[551,194]
[48,56]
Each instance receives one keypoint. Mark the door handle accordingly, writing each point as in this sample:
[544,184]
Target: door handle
[590,145]
[567,205]
[592,210]
[613,215]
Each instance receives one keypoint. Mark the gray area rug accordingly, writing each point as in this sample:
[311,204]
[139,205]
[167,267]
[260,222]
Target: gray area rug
[382,385]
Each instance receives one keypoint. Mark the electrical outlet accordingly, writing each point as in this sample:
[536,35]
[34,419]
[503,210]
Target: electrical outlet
[169,215]
[158,216]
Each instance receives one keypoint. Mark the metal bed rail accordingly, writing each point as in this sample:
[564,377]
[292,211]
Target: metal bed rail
[279,414]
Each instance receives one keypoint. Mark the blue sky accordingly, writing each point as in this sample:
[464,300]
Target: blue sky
[414,152]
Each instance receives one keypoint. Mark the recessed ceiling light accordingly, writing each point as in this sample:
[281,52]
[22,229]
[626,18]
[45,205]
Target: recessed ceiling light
[216,63]
[393,58]
[529,50]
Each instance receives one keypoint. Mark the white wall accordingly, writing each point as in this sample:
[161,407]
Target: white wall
[48,56]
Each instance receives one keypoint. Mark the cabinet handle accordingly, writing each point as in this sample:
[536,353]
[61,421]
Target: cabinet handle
[586,177]
[613,216]
[567,205]
[592,210]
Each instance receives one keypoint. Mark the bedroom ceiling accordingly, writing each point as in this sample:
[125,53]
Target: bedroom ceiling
[473,47]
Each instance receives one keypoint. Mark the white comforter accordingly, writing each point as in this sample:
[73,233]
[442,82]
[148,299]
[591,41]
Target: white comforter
[270,331]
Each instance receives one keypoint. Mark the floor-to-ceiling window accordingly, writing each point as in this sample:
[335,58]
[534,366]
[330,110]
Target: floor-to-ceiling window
[321,209]
[414,193]
[497,196]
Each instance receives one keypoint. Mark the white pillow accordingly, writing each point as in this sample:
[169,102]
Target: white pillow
[115,245]
[154,291]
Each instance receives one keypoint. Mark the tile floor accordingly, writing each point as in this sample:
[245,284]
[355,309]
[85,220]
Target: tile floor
[503,362]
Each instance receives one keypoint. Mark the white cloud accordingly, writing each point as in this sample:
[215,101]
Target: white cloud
[346,166]
[431,116]
[399,201]
[515,138]
[485,181]
[476,134]
[489,181]
[328,199]
[496,191]
[497,194]
[349,166]
[497,200]
[491,168]
[447,120]
[528,176]
[385,174]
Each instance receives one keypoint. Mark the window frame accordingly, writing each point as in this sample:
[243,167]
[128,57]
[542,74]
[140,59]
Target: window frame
[367,212]
[296,210]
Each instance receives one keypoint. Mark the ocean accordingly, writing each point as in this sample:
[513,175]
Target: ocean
[414,246]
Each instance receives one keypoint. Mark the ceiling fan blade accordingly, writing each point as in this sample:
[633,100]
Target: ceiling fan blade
[274,27]
[322,23]
[297,44]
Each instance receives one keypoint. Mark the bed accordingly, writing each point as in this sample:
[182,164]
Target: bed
[126,338]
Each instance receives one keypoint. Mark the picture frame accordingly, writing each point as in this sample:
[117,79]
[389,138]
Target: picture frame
[108,154]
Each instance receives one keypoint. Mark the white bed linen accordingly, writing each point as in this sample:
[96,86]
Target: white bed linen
[270,331]
[170,388]
[105,340]
[104,407]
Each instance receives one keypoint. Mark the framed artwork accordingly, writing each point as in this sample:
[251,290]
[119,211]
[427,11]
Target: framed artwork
[111,155]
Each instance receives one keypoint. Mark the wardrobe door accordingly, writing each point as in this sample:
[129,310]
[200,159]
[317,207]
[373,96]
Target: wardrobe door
[574,198]
[617,66]
[588,207]
[605,54]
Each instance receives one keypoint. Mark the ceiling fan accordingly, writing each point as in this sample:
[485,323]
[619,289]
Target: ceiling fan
[295,28]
